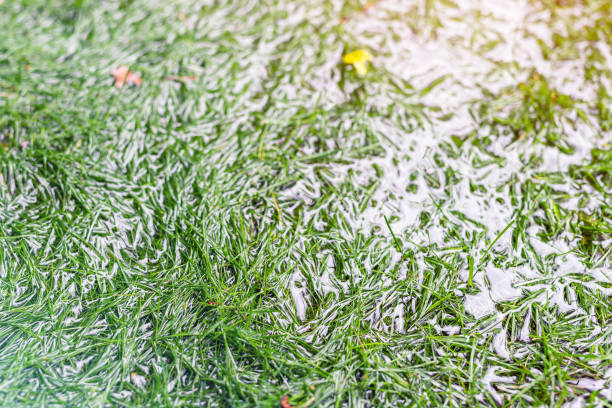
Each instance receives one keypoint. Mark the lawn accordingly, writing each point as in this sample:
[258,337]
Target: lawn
[260,224]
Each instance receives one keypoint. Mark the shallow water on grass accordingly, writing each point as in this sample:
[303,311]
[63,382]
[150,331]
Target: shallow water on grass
[438,230]
[466,76]
[483,52]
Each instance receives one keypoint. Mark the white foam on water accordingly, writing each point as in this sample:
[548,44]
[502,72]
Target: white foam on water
[299,295]
[500,344]
[525,331]
[138,380]
[490,378]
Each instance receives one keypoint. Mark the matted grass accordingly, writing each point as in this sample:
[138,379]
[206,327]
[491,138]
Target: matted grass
[435,233]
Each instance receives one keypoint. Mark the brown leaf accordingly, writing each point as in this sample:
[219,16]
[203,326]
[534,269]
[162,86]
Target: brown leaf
[363,10]
[184,78]
[123,76]
[134,79]
[284,402]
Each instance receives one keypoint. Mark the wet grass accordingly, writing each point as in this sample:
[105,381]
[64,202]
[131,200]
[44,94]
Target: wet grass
[203,242]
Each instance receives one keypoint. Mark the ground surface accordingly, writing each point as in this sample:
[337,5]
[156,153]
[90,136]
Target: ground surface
[436,232]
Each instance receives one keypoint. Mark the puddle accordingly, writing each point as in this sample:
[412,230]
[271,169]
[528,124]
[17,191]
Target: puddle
[402,173]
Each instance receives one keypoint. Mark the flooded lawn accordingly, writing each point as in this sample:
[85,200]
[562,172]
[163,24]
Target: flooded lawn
[323,203]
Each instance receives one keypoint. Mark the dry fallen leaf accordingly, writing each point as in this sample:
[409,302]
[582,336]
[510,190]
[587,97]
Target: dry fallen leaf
[363,10]
[123,76]
[284,402]
[184,78]
[133,78]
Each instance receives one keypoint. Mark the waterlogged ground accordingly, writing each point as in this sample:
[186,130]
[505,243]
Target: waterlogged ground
[435,233]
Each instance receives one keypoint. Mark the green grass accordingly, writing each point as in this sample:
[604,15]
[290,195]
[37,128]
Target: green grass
[281,226]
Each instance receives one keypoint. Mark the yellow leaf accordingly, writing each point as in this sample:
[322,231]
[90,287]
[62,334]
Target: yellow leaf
[358,59]
[360,67]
